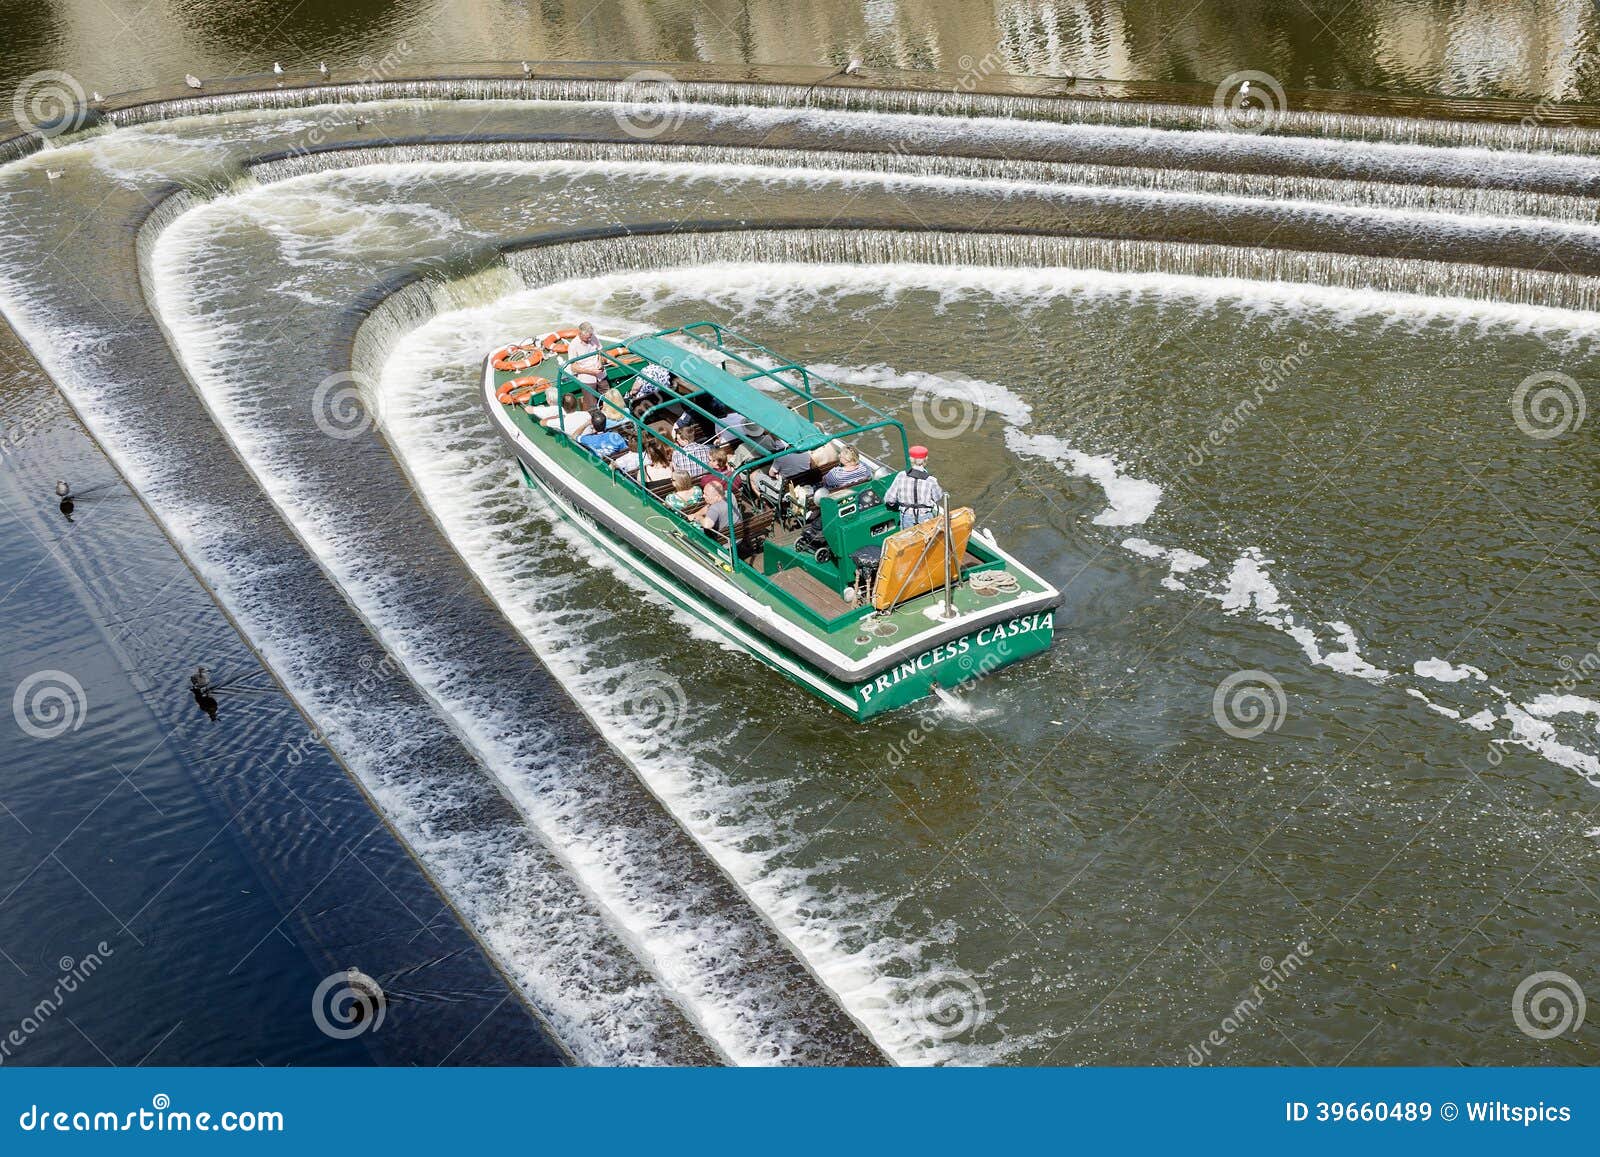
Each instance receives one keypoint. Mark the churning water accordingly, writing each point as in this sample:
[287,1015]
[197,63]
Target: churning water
[1256,403]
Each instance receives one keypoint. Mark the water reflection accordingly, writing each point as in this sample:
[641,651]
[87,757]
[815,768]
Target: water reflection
[1461,48]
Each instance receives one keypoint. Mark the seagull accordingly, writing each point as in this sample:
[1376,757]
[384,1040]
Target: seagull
[277,68]
[527,69]
[54,174]
[848,70]
[63,490]
[97,97]
[1244,89]
[191,80]
[322,67]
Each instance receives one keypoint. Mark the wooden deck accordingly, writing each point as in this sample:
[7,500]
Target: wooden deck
[812,591]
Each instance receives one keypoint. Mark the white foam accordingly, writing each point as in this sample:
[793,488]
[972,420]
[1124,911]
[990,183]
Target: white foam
[1447,712]
[1549,706]
[565,807]
[1443,672]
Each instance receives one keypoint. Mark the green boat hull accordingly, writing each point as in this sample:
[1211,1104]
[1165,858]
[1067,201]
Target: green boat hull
[949,666]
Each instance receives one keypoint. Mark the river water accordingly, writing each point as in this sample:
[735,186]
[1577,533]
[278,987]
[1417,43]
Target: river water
[1291,416]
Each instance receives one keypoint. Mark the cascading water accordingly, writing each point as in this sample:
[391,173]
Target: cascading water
[950,867]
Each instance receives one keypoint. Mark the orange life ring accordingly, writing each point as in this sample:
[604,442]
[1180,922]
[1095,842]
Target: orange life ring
[624,355]
[516,358]
[554,343]
[518,391]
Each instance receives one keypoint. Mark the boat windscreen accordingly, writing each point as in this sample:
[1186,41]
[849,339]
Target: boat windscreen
[735,393]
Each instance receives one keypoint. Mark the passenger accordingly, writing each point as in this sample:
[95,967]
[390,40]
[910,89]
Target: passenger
[574,418]
[849,472]
[588,369]
[694,447]
[753,442]
[914,494]
[734,425]
[685,495]
[651,386]
[605,443]
[719,458]
[657,460]
[715,519]
[615,410]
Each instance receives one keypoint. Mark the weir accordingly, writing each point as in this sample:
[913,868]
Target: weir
[429,747]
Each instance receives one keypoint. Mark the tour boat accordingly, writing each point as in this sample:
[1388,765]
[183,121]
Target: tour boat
[821,583]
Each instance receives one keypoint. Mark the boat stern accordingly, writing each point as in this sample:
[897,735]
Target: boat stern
[955,664]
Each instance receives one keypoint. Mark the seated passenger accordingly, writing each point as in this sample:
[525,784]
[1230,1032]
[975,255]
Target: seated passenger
[574,418]
[606,443]
[849,472]
[694,447]
[718,458]
[650,386]
[615,409]
[684,495]
[657,460]
[715,519]
[734,425]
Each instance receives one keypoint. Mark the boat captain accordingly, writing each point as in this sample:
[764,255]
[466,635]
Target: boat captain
[914,494]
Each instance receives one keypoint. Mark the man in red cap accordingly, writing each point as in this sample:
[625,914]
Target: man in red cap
[914,494]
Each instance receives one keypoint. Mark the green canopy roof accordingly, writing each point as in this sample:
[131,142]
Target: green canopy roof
[733,392]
